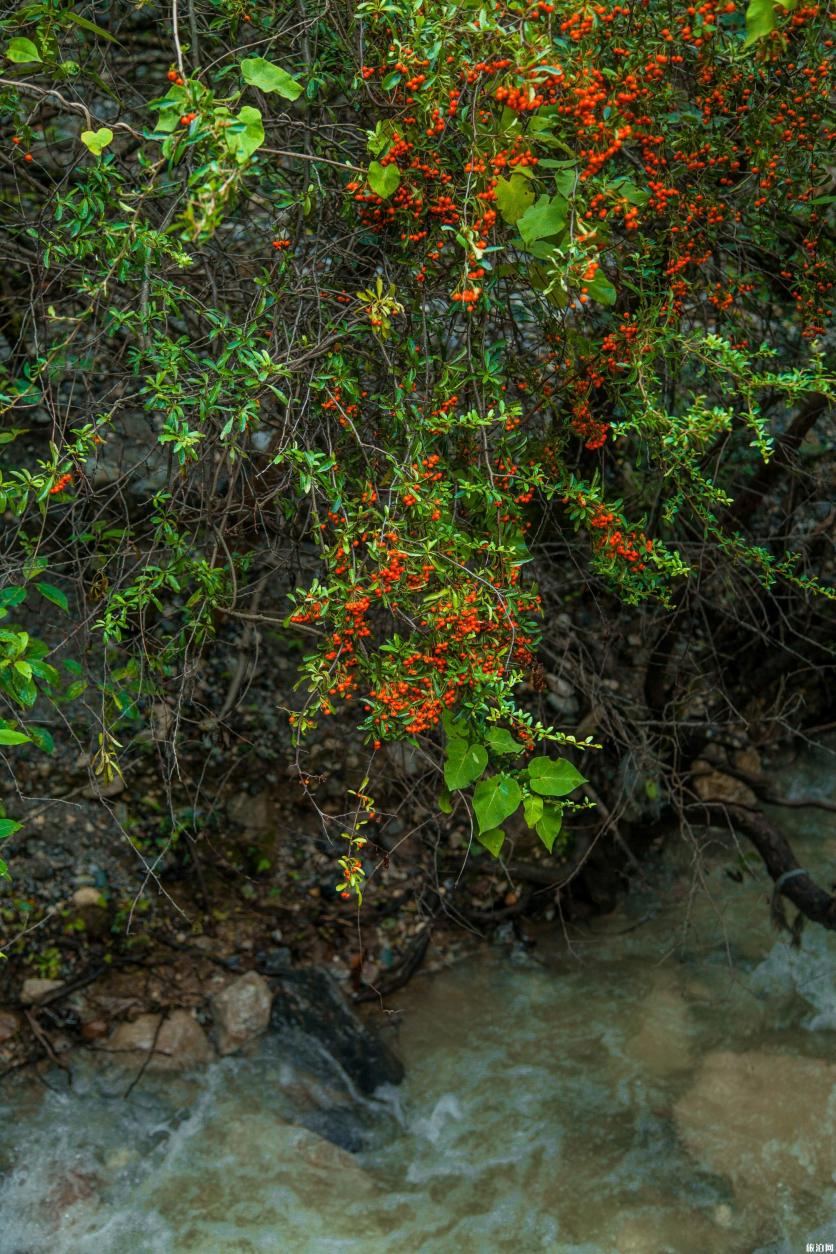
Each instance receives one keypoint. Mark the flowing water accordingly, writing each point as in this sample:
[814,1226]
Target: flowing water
[661,1083]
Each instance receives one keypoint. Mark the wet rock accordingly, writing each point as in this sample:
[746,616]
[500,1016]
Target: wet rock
[177,1042]
[711,785]
[94,1029]
[9,1025]
[241,1011]
[311,1002]
[762,1120]
[663,1042]
[748,760]
[34,989]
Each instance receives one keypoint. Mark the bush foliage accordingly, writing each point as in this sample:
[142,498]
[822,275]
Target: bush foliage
[392,295]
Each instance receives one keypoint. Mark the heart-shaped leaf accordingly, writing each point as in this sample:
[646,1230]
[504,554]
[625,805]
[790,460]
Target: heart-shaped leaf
[544,218]
[501,741]
[384,180]
[548,827]
[98,140]
[465,763]
[268,77]
[246,133]
[495,800]
[513,197]
[492,840]
[553,779]
[22,50]
[533,810]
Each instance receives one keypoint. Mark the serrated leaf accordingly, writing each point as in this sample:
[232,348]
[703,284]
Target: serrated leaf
[10,737]
[55,595]
[552,778]
[266,76]
[97,141]
[495,800]
[533,810]
[8,827]
[384,180]
[22,50]
[548,827]
[492,840]
[501,741]
[513,197]
[464,764]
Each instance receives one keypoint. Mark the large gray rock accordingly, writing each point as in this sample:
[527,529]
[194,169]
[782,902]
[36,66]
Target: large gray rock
[241,1011]
[178,1042]
[34,989]
[310,1002]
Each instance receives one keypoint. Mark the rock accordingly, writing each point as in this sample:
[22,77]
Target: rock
[762,1120]
[748,760]
[560,686]
[310,1002]
[241,1011]
[105,788]
[34,989]
[178,1042]
[87,897]
[9,1025]
[711,785]
[94,1029]
[255,812]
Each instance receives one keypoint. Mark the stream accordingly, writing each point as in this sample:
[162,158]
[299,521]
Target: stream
[661,1080]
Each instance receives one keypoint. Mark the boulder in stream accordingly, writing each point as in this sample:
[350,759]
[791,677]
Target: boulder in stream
[310,1002]
[176,1042]
[241,1011]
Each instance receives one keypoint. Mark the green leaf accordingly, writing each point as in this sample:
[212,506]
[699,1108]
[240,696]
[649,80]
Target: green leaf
[760,20]
[21,50]
[248,134]
[445,802]
[601,289]
[553,779]
[513,197]
[549,826]
[495,800]
[8,827]
[9,737]
[464,764]
[55,595]
[43,739]
[98,140]
[492,840]
[12,596]
[268,77]
[85,24]
[384,180]
[501,741]
[533,810]
[544,218]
